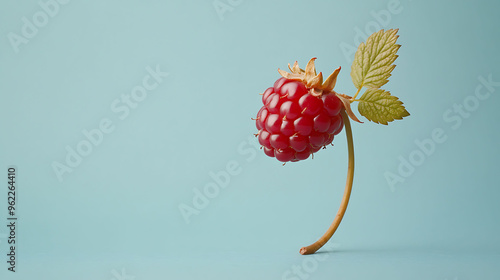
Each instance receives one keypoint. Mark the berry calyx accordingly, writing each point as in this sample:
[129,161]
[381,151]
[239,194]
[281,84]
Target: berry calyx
[310,79]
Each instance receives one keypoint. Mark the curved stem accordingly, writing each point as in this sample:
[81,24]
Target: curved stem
[311,249]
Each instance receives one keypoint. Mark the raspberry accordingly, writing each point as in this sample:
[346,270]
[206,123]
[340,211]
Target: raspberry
[300,115]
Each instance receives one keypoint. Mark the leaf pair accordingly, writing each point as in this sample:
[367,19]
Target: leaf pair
[371,68]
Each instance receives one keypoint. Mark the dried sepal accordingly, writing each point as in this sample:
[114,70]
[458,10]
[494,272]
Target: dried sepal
[330,82]
[310,79]
[296,69]
[290,76]
[310,71]
[315,81]
[316,92]
[346,101]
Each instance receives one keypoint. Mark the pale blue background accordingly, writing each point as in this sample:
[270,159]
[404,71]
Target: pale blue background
[119,208]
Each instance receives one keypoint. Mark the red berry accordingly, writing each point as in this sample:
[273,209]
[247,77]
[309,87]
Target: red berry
[318,139]
[304,125]
[332,104]
[292,90]
[293,123]
[310,105]
[287,128]
[290,109]
[315,149]
[273,103]
[336,125]
[279,141]
[329,139]
[339,127]
[284,155]
[269,151]
[261,118]
[302,155]
[266,94]
[299,143]
[279,84]
[321,121]
[264,138]
[273,123]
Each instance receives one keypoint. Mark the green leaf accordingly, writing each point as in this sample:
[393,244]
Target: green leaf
[373,61]
[379,106]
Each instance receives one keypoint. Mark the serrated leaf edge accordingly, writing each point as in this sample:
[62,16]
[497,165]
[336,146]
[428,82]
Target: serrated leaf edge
[364,101]
[362,58]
